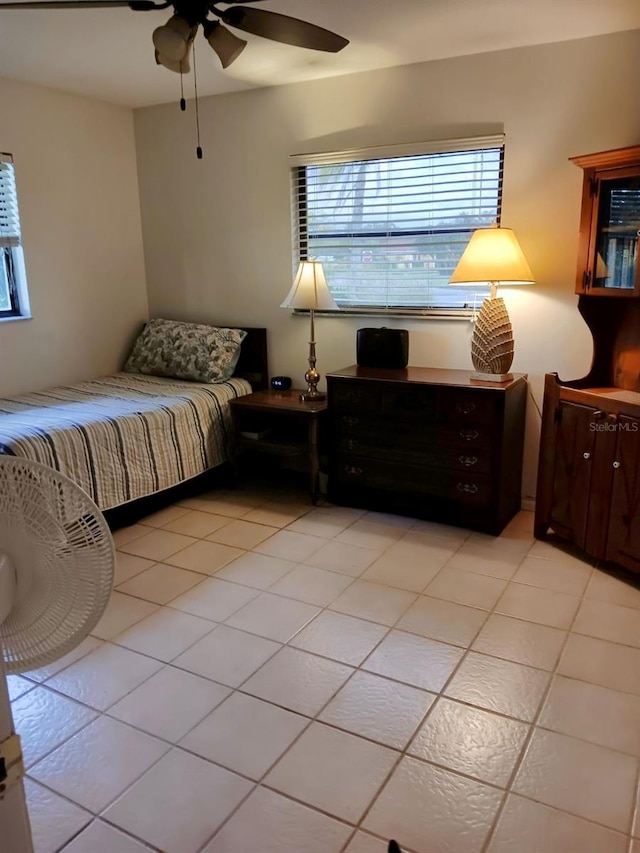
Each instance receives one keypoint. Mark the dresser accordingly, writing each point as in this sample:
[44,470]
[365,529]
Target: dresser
[429,443]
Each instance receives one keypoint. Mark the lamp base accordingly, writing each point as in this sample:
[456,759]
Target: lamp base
[312,396]
[493,377]
[492,341]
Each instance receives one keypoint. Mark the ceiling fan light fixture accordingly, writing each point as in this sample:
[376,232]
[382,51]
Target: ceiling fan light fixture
[223,42]
[179,67]
[173,38]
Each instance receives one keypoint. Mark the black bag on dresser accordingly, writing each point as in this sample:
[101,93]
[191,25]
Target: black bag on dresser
[388,348]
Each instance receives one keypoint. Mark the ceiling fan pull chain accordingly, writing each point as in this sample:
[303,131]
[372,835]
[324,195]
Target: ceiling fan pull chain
[183,103]
[195,86]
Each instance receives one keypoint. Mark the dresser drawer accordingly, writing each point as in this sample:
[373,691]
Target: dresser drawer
[457,406]
[388,432]
[355,398]
[415,452]
[400,402]
[411,403]
[359,472]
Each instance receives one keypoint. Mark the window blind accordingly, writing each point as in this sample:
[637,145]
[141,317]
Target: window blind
[9,219]
[390,227]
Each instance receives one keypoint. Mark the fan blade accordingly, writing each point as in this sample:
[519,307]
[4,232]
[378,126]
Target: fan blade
[137,5]
[282,28]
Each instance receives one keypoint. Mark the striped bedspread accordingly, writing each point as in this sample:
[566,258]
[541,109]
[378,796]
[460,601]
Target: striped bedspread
[124,436]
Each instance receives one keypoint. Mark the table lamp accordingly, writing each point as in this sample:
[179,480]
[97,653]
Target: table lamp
[493,256]
[310,293]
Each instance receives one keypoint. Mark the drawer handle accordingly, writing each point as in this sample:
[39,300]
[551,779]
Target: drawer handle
[469,434]
[350,420]
[586,455]
[352,443]
[466,408]
[352,470]
[467,488]
[468,461]
[616,464]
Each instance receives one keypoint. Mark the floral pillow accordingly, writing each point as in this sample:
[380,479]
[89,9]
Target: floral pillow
[186,351]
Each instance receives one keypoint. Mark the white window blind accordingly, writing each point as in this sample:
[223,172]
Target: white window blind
[9,218]
[390,224]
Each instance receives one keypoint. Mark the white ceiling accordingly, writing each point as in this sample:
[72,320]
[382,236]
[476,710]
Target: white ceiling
[108,53]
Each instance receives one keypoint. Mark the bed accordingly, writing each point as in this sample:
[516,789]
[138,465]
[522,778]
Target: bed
[127,436]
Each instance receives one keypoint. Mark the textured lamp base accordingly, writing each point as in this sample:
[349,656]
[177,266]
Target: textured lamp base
[493,377]
[492,342]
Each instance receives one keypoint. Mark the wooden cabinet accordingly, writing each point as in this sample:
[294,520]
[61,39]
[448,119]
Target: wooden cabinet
[427,443]
[589,470]
[589,475]
[609,223]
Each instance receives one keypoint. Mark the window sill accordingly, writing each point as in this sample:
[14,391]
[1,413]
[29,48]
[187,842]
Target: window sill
[465,314]
[17,317]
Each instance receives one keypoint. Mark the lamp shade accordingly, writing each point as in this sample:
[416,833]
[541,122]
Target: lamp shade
[309,290]
[178,67]
[492,255]
[172,40]
[227,45]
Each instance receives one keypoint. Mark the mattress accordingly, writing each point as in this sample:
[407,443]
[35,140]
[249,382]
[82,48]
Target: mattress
[125,436]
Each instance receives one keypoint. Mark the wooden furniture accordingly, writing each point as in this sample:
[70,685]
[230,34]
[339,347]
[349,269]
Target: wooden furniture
[279,423]
[253,363]
[427,443]
[609,219]
[589,470]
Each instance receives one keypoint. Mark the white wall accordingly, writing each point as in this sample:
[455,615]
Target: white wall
[217,232]
[77,186]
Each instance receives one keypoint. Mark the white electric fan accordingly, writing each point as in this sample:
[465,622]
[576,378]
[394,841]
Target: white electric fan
[56,574]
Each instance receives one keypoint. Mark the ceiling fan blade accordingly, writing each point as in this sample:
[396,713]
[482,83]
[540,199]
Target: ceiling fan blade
[282,28]
[138,5]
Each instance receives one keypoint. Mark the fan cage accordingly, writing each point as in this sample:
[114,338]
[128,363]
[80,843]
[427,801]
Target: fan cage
[62,551]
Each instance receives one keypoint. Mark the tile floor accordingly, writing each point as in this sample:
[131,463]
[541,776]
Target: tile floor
[275,678]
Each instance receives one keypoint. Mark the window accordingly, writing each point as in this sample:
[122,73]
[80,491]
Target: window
[390,224]
[13,296]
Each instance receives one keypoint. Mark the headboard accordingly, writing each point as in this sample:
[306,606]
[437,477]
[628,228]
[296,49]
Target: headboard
[253,364]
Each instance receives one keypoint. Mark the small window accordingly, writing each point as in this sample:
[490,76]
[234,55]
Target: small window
[13,290]
[390,227]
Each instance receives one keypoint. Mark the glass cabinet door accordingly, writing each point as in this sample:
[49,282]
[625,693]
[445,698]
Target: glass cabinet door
[615,266]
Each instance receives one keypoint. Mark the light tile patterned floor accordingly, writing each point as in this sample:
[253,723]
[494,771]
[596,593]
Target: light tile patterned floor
[275,678]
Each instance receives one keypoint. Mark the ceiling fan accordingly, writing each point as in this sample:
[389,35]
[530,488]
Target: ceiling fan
[174,39]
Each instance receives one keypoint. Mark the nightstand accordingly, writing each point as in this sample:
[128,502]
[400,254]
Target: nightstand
[278,423]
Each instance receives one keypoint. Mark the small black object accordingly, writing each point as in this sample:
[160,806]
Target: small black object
[387,348]
[281,383]
[393,847]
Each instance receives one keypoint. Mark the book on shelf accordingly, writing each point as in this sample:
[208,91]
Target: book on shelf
[621,262]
